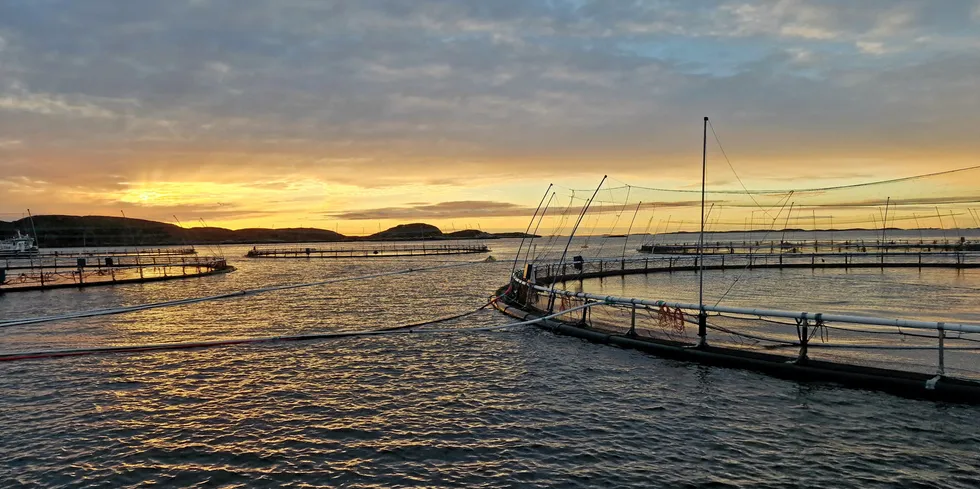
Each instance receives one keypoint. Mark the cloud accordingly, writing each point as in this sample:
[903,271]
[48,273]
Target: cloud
[868,47]
[429,96]
[441,210]
[47,104]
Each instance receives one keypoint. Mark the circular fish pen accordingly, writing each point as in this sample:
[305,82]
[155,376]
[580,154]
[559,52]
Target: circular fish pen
[933,359]
[56,270]
[598,274]
[376,251]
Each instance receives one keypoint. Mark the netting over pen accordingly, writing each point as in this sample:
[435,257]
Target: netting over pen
[936,208]
[897,248]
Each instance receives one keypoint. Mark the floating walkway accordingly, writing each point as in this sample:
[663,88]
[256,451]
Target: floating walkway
[583,269]
[814,246]
[851,350]
[389,251]
[50,271]
[62,259]
[118,252]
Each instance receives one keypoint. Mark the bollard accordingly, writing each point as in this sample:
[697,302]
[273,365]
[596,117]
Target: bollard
[942,364]
[632,332]
[803,333]
[702,328]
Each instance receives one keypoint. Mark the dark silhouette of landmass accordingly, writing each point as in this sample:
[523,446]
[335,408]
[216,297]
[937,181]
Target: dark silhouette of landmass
[60,231]
[415,230]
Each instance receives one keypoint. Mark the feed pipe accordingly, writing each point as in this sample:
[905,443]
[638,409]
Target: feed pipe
[229,295]
[36,355]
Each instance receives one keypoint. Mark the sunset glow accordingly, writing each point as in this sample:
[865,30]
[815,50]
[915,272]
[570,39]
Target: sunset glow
[355,116]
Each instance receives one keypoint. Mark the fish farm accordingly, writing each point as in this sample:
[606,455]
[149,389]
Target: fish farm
[783,343]
[53,270]
[380,251]
[560,281]
[565,282]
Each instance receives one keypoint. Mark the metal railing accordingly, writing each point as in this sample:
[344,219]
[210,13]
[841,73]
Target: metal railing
[543,298]
[373,251]
[52,271]
[591,268]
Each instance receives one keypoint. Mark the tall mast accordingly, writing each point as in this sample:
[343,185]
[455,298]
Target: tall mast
[585,208]
[529,224]
[884,224]
[943,228]
[816,237]
[782,239]
[702,315]
[527,251]
[917,226]
[33,229]
[630,229]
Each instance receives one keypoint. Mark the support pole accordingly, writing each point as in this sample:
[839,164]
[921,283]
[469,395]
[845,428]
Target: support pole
[585,208]
[528,252]
[37,244]
[942,360]
[628,231]
[702,315]
[941,369]
[884,224]
[518,254]
[803,332]
[632,332]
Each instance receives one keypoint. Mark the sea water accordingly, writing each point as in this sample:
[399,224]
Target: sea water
[521,407]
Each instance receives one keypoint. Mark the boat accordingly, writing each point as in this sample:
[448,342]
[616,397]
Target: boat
[18,246]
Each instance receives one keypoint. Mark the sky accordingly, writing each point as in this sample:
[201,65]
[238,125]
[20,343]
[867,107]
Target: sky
[358,115]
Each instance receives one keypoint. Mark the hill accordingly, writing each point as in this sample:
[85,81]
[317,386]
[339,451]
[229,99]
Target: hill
[416,230]
[62,231]
[59,231]
[471,234]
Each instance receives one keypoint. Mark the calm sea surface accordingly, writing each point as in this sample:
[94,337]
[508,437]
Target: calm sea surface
[520,407]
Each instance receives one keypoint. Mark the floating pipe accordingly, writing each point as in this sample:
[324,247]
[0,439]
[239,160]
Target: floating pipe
[841,318]
[41,354]
[241,293]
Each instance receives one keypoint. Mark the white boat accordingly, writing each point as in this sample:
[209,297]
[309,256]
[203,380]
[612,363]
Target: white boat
[18,246]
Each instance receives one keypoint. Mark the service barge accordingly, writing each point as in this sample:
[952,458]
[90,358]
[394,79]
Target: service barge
[18,246]
[526,298]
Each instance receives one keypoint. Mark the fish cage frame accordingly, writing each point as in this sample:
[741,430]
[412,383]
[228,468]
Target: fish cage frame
[44,272]
[392,251]
[521,298]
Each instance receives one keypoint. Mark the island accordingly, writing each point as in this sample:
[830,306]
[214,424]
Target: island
[64,231]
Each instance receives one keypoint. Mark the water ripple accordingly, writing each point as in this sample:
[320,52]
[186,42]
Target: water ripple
[523,408]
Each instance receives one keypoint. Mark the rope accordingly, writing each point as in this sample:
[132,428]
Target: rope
[230,295]
[806,190]
[741,272]
[723,153]
[405,329]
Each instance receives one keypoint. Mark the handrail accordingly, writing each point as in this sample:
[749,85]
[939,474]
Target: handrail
[899,323]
